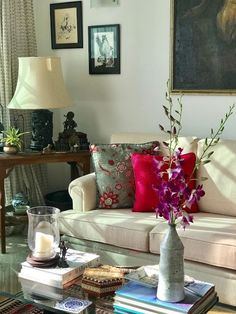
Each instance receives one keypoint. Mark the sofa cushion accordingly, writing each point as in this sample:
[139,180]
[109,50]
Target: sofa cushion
[120,227]
[211,239]
[114,172]
[146,179]
[220,187]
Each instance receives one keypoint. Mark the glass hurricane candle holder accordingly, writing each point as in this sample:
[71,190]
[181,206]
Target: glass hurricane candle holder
[43,232]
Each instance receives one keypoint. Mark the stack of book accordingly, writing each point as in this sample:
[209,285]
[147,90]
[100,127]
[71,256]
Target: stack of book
[61,277]
[136,298]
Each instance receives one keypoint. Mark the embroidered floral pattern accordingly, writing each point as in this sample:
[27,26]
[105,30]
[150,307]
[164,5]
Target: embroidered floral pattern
[107,199]
[121,166]
[114,173]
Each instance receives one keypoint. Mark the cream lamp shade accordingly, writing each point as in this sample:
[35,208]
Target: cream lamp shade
[40,85]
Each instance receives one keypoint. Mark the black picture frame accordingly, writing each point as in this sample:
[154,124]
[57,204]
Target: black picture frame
[104,49]
[66,25]
[202,48]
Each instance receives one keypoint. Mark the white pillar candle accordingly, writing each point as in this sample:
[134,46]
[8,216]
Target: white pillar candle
[43,245]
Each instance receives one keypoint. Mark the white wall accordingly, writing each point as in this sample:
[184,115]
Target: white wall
[131,101]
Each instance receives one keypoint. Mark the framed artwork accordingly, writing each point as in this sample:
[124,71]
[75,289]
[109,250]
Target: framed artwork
[104,49]
[103,3]
[66,25]
[203,47]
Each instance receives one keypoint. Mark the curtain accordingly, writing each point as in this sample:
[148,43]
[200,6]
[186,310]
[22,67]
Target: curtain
[18,39]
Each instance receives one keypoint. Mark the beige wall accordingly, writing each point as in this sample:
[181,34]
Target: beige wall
[131,101]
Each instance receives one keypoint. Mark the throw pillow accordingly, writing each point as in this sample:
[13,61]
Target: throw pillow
[146,198]
[114,172]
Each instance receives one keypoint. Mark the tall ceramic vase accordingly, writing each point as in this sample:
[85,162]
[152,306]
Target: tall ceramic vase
[171,267]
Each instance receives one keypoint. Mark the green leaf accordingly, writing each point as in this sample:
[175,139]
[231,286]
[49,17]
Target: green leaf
[206,161]
[165,144]
[203,178]
[172,118]
[165,108]
[166,112]
[210,154]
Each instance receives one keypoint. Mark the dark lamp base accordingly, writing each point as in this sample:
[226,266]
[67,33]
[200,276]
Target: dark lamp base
[42,129]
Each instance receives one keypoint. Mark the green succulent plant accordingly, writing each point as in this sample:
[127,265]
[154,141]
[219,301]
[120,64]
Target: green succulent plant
[12,137]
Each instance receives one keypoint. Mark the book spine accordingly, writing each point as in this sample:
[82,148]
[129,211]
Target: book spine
[28,272]
[44,280]
[48,281]
[77,271]
[140,304]
[130,309]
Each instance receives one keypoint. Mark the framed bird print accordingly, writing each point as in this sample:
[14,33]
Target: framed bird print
[104,49]
[66,25]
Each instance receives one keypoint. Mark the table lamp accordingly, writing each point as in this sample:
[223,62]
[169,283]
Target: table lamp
[40,87]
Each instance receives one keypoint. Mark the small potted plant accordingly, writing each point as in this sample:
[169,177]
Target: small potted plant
[12,140]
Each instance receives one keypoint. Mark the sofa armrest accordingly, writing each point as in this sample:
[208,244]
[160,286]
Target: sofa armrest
[83,192]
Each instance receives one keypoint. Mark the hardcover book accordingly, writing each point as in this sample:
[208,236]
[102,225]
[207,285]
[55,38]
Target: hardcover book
[195,300]
[59,277]
[123,308]
[139,307]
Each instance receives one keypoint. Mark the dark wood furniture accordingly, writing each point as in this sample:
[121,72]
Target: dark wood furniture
[78,160]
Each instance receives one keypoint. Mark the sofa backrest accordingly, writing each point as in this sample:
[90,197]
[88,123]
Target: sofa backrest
[189,144]
[220,188]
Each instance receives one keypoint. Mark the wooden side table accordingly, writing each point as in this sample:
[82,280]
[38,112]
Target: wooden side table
[76,160]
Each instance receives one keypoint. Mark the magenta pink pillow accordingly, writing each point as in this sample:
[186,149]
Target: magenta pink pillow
[146,198]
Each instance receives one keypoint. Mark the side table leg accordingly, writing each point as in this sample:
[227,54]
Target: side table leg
[74,172]
[86,165]
[2,213]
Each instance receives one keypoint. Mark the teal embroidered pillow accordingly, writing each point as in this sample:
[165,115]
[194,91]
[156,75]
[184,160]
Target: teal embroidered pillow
[114,172]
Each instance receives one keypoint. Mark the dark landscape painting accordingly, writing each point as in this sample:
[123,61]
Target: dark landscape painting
[204,46]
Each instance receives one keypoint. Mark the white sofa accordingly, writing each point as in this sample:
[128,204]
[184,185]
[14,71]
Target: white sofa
[124,237]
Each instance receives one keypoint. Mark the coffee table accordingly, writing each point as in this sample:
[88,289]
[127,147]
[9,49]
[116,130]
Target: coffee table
[12,287]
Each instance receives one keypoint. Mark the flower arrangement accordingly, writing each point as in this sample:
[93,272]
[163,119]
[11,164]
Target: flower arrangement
[174,192]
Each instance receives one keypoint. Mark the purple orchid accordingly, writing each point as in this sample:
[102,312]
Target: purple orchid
[173,189]
[174,192]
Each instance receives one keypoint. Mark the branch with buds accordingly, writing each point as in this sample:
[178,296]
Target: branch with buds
[175,126]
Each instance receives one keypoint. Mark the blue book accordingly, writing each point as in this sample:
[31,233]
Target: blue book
[198,295]
[125,308]
[121,310]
